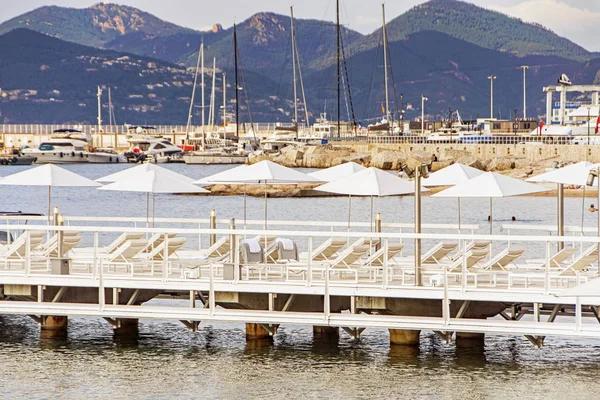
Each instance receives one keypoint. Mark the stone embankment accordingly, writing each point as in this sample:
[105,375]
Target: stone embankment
[519,161]
[515,163]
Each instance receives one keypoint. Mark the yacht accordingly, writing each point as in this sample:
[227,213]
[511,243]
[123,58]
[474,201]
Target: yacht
[320,132]
[152,149]
[455,131]
[69,148]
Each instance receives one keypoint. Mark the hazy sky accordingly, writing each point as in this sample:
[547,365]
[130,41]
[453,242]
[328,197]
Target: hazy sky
[578,20]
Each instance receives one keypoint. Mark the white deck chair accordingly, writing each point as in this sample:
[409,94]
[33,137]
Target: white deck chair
[18,248]
[328,249]
[438,252]
[557,261]
[348,260]
[220,249]
[586,258]
[503,259]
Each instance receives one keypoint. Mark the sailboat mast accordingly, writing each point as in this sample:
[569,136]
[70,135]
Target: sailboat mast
[385,70]
[339,72]
[224,103]
[189,121]
[202,74]
[294,70]
[110,109]
[237,103]
[213,94]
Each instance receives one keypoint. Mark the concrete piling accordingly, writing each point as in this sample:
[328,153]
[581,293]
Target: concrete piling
[404,337]
[257,332]
[326,334]
[54,326]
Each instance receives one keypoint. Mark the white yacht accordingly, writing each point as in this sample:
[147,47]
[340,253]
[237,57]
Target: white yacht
[71,149]
[320,132]
[152,149]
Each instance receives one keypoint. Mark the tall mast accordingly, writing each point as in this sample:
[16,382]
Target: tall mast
[294,70]
[99,95]
[339,72]
[213,94]
[189,121]
[385,71]
[237,103]
[202,75]
[110,109]
[224,103]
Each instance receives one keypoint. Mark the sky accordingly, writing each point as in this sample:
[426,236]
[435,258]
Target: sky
[578,20]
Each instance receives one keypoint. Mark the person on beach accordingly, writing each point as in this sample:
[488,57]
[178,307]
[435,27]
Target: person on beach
[592,208]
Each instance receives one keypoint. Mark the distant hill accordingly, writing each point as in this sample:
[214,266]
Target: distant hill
[482,27]
[94,26]
[44,79]
[452,73]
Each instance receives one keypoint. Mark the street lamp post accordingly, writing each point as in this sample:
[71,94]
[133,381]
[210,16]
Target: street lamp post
[491,78]
[423,100]
[524,68]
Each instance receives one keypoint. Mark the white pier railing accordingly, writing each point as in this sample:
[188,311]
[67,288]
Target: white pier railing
[463,269]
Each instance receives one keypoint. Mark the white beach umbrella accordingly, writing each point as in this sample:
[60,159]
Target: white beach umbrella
[371,182]
[265,172]
[131,173]
[48,175]
[491,185]
[337,172]
[574,174]
[153,182]
[451,176]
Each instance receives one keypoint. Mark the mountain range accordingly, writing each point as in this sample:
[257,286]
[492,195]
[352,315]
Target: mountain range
[444,49]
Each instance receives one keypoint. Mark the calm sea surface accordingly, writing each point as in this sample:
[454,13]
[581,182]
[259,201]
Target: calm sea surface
[167,361]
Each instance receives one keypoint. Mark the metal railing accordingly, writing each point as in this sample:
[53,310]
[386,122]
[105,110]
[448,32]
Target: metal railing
[455,140]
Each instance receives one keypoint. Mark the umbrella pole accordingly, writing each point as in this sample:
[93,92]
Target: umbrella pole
[265,205]
[153,208]
[491,217]
[148,210]
[245,206]
[371,224]
[49,202]
[582,209]
[458,198]
[349,210]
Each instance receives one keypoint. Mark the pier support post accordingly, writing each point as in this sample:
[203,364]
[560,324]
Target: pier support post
[126,328]
[470,339]
[257,332]
[326,334]
[404,337]
[54,326]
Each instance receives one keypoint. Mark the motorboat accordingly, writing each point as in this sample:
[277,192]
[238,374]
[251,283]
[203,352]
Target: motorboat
[69,148]
[152,149]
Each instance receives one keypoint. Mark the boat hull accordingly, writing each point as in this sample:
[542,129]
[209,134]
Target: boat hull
[210,159]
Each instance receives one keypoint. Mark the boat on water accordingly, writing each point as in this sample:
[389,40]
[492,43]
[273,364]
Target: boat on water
[213,149]
[152,149]
[71,147]
[455,131]
[320,132]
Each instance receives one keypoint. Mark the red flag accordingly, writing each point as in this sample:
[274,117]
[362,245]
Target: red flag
[541,126]
[597,124]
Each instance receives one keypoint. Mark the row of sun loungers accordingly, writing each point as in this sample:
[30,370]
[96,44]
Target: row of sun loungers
[268,256]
